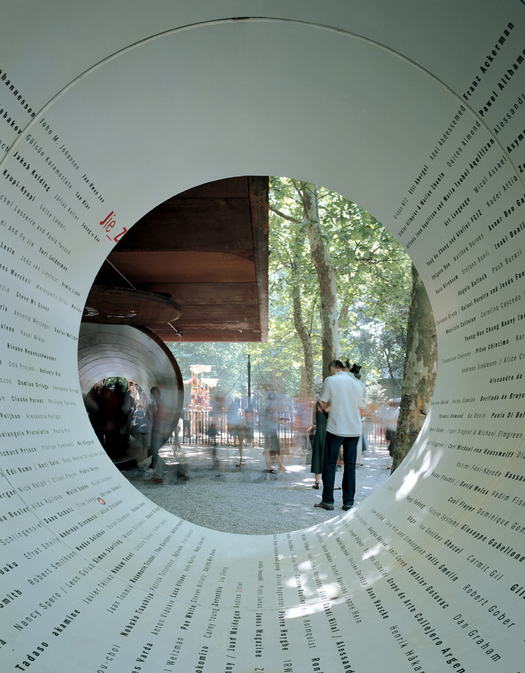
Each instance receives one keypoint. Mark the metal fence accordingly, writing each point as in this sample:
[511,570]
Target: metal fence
[194,429]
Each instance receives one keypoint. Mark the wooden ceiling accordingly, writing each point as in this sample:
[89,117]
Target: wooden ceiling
[205,249]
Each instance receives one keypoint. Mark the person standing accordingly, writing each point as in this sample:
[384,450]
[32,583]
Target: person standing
[158,419]
[213,431]
[249,417]
[344,394]
[389,418]
[142,434]
[237,426]
[269,427]
[319,422]
[354,371]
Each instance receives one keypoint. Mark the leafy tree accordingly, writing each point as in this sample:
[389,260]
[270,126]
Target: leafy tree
[361,271]
[229,363]
[368,286]
[301,200]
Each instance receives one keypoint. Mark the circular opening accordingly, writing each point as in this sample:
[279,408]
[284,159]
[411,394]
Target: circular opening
[387,124]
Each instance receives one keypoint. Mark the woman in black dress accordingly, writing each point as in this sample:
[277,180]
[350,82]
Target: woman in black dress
[319,421]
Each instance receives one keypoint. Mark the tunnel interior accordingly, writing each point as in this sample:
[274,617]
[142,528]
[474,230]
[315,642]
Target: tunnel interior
[414,111]
[136,355]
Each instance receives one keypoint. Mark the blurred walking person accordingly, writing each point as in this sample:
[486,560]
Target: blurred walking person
[269,427]
[157,415]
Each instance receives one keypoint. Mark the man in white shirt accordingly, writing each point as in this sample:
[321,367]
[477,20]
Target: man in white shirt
[344,395]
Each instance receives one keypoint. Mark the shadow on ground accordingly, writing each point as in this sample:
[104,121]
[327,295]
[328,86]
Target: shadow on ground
[249,500]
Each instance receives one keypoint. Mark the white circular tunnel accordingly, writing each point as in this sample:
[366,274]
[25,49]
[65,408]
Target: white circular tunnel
[136,354]
[413,110]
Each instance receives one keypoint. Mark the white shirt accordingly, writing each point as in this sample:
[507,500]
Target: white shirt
[345,395]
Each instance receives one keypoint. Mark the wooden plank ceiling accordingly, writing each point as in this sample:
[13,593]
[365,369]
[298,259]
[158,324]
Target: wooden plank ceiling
[206,250]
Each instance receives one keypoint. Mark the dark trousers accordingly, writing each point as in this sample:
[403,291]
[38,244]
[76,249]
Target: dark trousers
[332,446]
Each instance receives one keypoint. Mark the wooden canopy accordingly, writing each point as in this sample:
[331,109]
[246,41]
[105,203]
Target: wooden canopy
[205,250]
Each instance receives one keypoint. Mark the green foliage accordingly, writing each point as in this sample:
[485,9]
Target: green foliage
[229,362]
[373,283]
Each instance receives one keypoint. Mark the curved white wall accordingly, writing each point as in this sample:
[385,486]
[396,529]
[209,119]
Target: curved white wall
[415,111]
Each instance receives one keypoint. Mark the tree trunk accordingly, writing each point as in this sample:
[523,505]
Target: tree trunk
[326,274]
[420,370]
[300,327]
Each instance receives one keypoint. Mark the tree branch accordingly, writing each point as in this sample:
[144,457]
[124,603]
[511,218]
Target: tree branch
[284,216]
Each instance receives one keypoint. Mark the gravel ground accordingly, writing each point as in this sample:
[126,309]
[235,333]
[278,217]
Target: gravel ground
[249,500]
